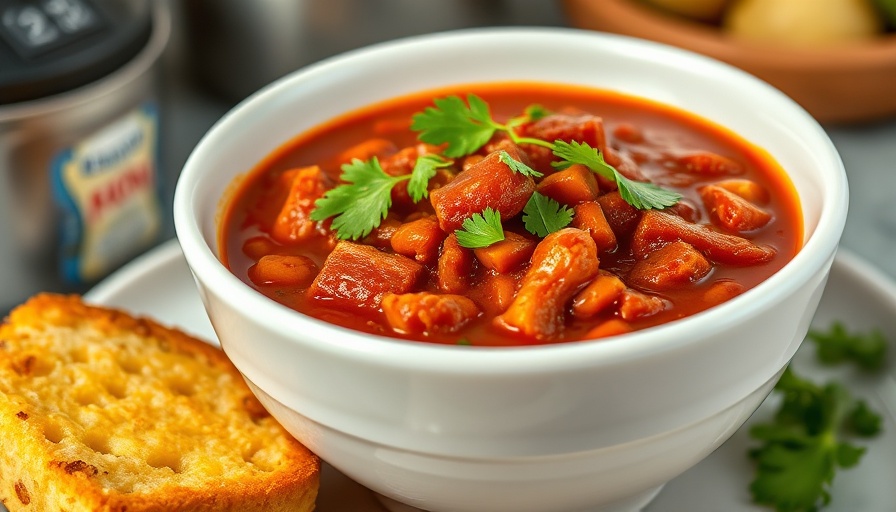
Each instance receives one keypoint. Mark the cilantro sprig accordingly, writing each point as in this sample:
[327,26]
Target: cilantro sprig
[362,202]
[811,434]
[542,215]
[465,129]
[480,230]
[838,345]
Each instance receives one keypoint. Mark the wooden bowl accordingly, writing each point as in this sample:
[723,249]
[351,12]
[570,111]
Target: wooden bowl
[846,83]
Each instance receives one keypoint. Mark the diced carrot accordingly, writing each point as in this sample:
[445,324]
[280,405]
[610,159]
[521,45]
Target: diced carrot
[427,313]
[490,183]
[658,228]
[258,246]
[599,295]
[419,239]
[707,163]
[670,266]
[293,224]
[507,254]
[747,189]
[732,211]
[455,264]
[590,217]
[562,262]
[622,217]
[612,327]
[281,270]
[368,149]
[634,305]
[570,186]
[357,276]
[722,290]
[495,293]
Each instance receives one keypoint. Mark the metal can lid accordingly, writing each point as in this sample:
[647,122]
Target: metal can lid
[52,46]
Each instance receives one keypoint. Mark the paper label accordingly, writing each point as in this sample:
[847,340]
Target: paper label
[107,187]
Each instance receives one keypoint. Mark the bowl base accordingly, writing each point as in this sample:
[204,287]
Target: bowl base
[631,504]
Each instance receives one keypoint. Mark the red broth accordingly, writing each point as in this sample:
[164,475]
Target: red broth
[409,278]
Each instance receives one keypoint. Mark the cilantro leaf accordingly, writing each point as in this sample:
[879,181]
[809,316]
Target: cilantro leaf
[517,166]
[837,345]
[535,112]
[863,420]
[480,230]
[542,215]
[643,196]
[464,129]
[425,168]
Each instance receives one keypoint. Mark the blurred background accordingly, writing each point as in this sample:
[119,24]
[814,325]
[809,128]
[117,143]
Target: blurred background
[132,85]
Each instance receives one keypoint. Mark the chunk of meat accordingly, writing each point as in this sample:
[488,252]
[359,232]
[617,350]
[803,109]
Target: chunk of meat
[600,294]
[419,239]
[634,305]
[427,313]
[570,186]
[670,266]
[658,228]
[357,276]
[732,211]
[622,217]
[567,127]
[293,224]
[455,264]
[507,254]
[489,183]
[563,262]
[283,270]
[590,217]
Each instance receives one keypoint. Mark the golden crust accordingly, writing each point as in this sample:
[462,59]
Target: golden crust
[101,410]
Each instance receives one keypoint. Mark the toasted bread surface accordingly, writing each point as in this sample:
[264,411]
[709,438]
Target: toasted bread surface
[104,411]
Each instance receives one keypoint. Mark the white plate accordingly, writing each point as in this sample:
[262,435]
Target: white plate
[159,284]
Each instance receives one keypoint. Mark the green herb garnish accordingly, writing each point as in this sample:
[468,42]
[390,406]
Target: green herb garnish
[838,345]
[542,215]
[517,166]
[363,201]
[808,438]
[466,129]
[480,230]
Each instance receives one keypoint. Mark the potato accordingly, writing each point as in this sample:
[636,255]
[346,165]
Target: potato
[704,10]
[803,22]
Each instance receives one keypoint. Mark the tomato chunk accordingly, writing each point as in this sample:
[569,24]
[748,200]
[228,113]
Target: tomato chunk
[357,276]
[294,224]
[733,211]
[568,127]
[562,262]
[670,266]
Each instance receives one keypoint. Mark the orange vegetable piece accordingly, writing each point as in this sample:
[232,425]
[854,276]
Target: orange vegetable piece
[357,276]
[747,189]
[658,228]
[708,163]
[722,290]
[293,224]
[580,127]
[489,183]
[368,149]
[622,217]
[381,236]
[732,211]
[455,264]
[634,304]
[600,294]
[427,313]
[570,186]
[562,262]
[670,266]
[419,239]
[258,246]
[507,254]
[612,327]
[283,270]
[495,293]
[590,217]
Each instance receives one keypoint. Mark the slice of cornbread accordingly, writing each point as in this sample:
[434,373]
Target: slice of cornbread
[104,411]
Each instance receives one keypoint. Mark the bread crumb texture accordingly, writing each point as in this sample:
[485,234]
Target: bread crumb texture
[101,410]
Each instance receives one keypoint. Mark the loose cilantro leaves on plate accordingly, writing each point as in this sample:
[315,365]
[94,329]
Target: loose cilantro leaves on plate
[363,201]
[810,435]
[542,215]
[481,230]
[837,345]
[643,196]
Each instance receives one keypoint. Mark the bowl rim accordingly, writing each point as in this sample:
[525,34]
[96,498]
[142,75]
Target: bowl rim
[815,255]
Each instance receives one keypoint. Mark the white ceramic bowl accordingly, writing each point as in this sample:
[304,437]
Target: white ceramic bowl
[579,426]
